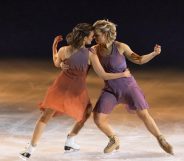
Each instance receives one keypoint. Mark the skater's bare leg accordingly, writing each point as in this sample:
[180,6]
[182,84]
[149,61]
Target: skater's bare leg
[154,130]
[149,122]
[101,120]
[78,125]
[40,125]
[70,141]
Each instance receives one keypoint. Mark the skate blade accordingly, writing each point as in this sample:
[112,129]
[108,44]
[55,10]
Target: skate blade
[22,157]
[116,150]
[70,150]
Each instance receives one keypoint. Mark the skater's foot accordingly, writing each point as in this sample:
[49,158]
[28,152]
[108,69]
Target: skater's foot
[165,145]
[70,144]
[113,144]
[26,154]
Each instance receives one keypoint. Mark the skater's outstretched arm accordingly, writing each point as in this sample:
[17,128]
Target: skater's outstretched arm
[135,58]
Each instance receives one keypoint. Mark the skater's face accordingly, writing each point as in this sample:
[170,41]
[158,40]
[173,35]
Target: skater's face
[89,39]
[100,37]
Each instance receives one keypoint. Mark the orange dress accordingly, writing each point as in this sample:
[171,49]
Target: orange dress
[68,94]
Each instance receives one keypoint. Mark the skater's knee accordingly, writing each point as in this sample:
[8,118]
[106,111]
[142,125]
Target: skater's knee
[81,123]
[46,115]
[87,114]
[99,120]
[95,117]
[143,114]
[88,111]
[44,119]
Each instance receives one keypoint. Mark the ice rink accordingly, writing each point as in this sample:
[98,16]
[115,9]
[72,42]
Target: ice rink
[23,85]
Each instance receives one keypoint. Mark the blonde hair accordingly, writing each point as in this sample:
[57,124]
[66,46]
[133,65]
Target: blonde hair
[108,27]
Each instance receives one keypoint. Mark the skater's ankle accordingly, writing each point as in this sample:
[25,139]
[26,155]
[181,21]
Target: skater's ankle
[33,144]
[30,149]
[70,135]
[159,136]
[111,136]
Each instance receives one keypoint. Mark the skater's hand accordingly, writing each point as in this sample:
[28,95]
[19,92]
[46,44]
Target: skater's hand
[127,73]
[57,39]
[64,66]
[157,49]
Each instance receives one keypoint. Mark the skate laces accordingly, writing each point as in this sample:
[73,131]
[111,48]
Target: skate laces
[165,145]
[25,149]
[111,142]
[162,141]
[29,148]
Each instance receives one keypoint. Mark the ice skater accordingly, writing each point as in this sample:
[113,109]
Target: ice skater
[68,94]
[112,56]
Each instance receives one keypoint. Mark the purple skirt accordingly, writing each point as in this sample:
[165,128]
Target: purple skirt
[124,91]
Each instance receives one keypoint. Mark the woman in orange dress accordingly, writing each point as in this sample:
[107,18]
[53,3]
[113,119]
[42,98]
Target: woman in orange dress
[68,94]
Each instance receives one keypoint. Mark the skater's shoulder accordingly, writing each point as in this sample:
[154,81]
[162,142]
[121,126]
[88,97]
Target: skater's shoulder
[120,45]
[64,49]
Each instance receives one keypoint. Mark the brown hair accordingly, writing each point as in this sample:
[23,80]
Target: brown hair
[76,37]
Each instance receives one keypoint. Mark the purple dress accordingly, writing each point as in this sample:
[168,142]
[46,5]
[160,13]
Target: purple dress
[122,90]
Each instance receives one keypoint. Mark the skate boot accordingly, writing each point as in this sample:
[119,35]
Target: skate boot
[70,144]
[112,145]
[26,154]
[165,145]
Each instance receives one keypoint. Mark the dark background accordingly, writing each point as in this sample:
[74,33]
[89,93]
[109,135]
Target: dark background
[27,28]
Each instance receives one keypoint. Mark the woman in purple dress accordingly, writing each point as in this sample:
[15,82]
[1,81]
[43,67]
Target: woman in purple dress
[112,56]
